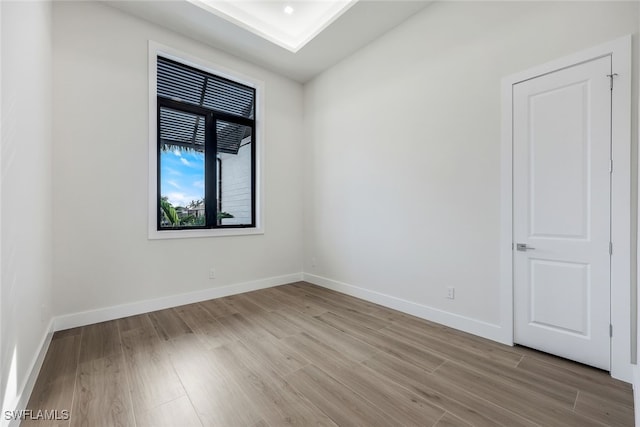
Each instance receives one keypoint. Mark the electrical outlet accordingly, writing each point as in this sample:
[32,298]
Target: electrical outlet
[451,293]
[212,273]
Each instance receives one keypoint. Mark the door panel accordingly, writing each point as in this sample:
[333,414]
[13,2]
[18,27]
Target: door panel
[549,302]
[559,199]
[562,151]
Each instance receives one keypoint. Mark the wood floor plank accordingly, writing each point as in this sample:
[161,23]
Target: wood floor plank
[301,294]
[217,308]
[243,305]
[243,327]
[294,302]
[253,362]
[55,385]
[152,379]
[214,392]
[102,398]
[168,324]
[134,322]
[178,412]
[400,403]
[348,302]
[194,315]
[367,320]
[277,354]
[205,326]
[533,406]
[447,348]
[585,379]
[343,342]
[278,325]
[191,360]
[341,404]
[99,340]
[220,404]
[395,346]
[448,420]
[318,352]
[484,347]
[403,406]
[470,408]
[264,300]
[604,410]
[593,375]
[486,363]
[67,332]
[278,402]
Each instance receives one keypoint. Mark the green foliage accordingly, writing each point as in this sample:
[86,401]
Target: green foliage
[179,218]
[169,212]
[192,220]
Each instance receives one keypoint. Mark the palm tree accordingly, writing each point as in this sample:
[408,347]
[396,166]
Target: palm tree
[194,204]
[169,212]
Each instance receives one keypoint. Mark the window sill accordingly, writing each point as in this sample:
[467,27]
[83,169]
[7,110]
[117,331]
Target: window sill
[192,234]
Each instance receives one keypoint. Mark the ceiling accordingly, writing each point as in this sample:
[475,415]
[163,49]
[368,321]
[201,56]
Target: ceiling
[290,24]
[352,25]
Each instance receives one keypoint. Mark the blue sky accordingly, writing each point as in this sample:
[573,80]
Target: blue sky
[182,176]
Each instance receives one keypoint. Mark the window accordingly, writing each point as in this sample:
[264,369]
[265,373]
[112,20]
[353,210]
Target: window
[205,152]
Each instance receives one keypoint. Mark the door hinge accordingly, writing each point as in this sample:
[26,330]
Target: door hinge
[611,76]
[611,166]
[610,248]
[610,330]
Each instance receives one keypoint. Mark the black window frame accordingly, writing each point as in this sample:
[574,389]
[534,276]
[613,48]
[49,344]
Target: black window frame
[212,116]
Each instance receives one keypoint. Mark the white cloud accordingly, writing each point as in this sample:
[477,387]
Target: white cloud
[198,184]
[185,161]
[177,153]
[174,184]
[172,171]
[181,199]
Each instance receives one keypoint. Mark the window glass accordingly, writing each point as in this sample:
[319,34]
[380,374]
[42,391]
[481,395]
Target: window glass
[206,149]
[182,179]
[234,184]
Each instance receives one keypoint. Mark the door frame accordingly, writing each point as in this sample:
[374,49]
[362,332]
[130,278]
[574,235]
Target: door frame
[620,51]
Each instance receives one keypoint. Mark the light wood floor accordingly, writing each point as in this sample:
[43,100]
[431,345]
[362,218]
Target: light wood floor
[303,355]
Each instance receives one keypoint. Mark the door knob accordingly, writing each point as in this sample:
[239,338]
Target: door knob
[523,247]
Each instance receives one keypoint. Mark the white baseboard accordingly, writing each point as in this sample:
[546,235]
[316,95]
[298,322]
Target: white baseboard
[116,312]
[456,321]
[24,392]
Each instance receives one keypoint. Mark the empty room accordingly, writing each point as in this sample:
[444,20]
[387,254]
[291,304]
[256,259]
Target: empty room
[350,212]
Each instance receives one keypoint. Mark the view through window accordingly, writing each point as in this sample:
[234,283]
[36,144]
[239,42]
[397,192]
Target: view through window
[206,149]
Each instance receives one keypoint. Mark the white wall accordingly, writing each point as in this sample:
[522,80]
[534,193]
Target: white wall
[25,193]
[403,150]
[103,257]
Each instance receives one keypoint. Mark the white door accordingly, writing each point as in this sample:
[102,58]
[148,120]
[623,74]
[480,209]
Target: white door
[561,209]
